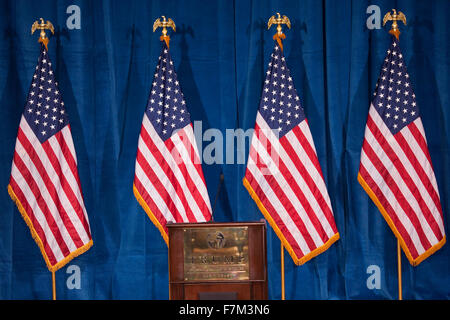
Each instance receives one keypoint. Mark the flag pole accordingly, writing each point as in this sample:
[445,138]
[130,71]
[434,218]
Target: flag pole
[282,272]
[53,285]
[399,263]
[42,26]
[394,17]
[164,24]
[279,36]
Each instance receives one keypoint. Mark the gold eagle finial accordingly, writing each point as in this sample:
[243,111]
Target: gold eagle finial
[394,17]
[165,23]
[279,20]
[42,26]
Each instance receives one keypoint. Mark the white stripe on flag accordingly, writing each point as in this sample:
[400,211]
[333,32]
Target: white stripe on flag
[193,173]
[153,192]
[397,210]
[172,164]
[55,179]
[291,196]
[301,183]
[307,162]
[70,178]
[421,157]
[409,167]
[42,186]
[402,186]
[162,177]
[38,214]
[66,133]
[275,202]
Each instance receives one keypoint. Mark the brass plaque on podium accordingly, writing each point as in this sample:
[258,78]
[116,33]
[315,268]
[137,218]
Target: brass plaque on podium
[219,253]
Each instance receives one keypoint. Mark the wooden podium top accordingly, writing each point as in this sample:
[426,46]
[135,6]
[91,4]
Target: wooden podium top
[215,224]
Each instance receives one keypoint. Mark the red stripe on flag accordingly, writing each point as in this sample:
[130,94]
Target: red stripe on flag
[190,186]
[389,211]
[52,190]
[68,155]
[71,195]
[165,167]
[308,149]
[297,190]
[192,151]
[35,224]
[408,181]
[309,181]
[28,178]
[419,170]
[158,186]
[151,204]
[186,173]
[420,141]
[290,209]
[195,160]
[274,214]
[399,196]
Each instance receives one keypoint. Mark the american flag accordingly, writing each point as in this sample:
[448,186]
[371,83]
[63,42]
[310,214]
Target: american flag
[168,181]
[44,180]
[283,173]
[395,168]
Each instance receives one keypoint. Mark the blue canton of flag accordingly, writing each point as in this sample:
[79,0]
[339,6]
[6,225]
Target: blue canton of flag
[394,98]
[166,106]
[45,110]
[280,104]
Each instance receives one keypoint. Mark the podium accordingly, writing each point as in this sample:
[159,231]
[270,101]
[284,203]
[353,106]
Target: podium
[217,261]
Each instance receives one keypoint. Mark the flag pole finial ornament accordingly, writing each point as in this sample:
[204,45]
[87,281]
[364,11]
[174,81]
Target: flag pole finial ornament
[394,17]
[279,20]
[165,23]
[42,26]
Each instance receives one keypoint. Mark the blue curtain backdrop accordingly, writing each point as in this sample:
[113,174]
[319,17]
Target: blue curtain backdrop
[221,50]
